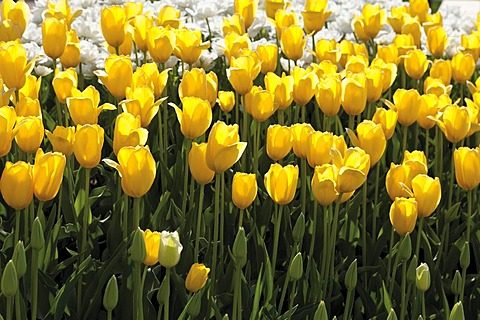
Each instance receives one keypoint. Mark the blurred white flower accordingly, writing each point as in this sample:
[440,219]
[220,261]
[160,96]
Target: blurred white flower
[42,71]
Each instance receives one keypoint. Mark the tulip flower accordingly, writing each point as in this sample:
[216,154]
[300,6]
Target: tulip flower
[403,215]
[48,174]
[197,277]
[117,75]
[404,43]
[314,16]
[325,69]
[305,82]
[189,45]
[412,27]
[293,42]
[428,107]
[436,87]
[83,106]
[242,72]
[62,139]
[27,107]
[170,249]
[271,7]
[352,167]
[16,184]
[405,102]
[370,22]
[437,41]
[281,183]
[141,102]
[14,68]
[224,148]
[463,66]
[422,274]
[54,35]
[319,145]
[374,82]
[454,121]
[389,71]
[196,83]
[234,23]
[112,22]
[284,19]
[387,119]
[471,44]
[244,189]
[29,133]
[160,43]
[142,25]
[281,87]
[15,17]
[268,53]
[427,192]
[152,245]
[442,69]
[226,100]
[247,9]
[416,63]
[63,10]
[279,141]
[195,118]
[128,132]
[370,137]
[197,162]
[396,176]
[168,16]
[235,45]
[8,117]
[71,55]
[354,94]
[88,144]
[324,184]
[417,161]
[329,95]
[148,75]
[260,104]
[31,88]
[63,83]
[300,133]
[467,167]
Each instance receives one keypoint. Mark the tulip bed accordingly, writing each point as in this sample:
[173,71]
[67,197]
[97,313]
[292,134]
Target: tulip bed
[198,160]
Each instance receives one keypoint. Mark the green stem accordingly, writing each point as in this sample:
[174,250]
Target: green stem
[136,213]
[240,218]
[125,213]
[419,236]
[351,122]
[9,308]
[18,310]
[284,292]
[244,134]
[276,234]
[451,174]
[469,212]
[161,148]
[293,294]
[83,243]
[222,216]
[395,266]
[326,219]
[364,228]
[404,139]
[303,190]
[199,222]
[237,295]
[424,313]
[348,304]
[26,223]
[256,142]
[17,226]
[427,141]
[187,142]
[375,201]
[333,241]
[314,236]
[109,314]
[34,283]
[281,117]
[215,231]
[166,310]
[403,305]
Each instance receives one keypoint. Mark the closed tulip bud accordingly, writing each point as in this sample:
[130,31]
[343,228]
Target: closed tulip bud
[117,76]
[428,107]
[8,117]
[457,284]
[48,174]
[412,270]
[374,82]
[352,168]
[195,118]
[224,148]
[412,27]
[427,192]
[295,270]
[281,87]
[405,250]
[279,141]
[369,23]
[14,68]
[9,280]
[247,9]
[16,184]
[160,43]
[31,88]
[354,94]
[423,277]
[54,35]
[324,184]
[236,45]
[293,42]
[300,133]
[110,297]
[19,259]
[71,55]
[138,250]
[29,133]
[152,244]
[389,71]
[467,167]
[299,228]
[128,132]
[189,45]
[63,83]
[403,215]
[242,72]
[351,276]
[463,66]
[141,24]
[457,312]
[370,137]
[17,14]
[281,183]
[396,176]
[437,41]
[321,312]
[84,106]
[37,238]
[284,19]
[137,169]
[170,249]
[198,164]
[197,277]
[226,100]
[244,189]
[416,63]
[112,22]
[196,83]
[268,53]
[329,95]
[62,139]
[271,7]
[239,249]
[442,69]
[454,121]
[313,21]
[387,119]
[88,144]
[262,104]
[319,145]
[305,82]
[405,102]
[141,102]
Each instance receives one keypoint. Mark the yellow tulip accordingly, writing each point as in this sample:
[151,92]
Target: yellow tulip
[281,87]
[224,148]
[293,42]
[127,45]
[396,176]
[442,69]
[437,41]
[268,53]
[397,18]
[197,277]
[235,44]
[387,119]
[436,87]
[305,82]
[137,169]
[8,117]
[416,63]
[244,189]
[284,19]
[148,75]
[463,66]
[281,183]
[325,69]
[370,137]
[354,94]
[195,118]
[160,43]
[428,107]
[419,8]
[405,102]
[170,249]
[370,22]
[300,133]
[84,106]
[417,162]
[29,133]
[168,16]
[271,7]
[279,141]
[28,107]
[88,144]
[128,132]
[247,9]
[260,104]
[454,121]
[374,82]
[62,10]
[389,54]
[389,71]
[31,88]
[152,245]
[63,83]
[15,15]
[356,64]
[234,23]
[62,139]
[142,25]
[403,215]
[197,163]
[16,184]
[48,174]
[427,192]
[313,21]
[404,43]
[141,102]
[117,76]
[467,167]
[329,95]
[352,167]
[189,45]
[112,22]
[71,55]
[324,184]
[226,100]
[242,72]
[412,27]
[471,44]
[319,145]
[54,35]
[196,83]
[14,68]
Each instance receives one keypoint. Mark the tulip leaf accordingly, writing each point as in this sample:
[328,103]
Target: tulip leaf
[386,298]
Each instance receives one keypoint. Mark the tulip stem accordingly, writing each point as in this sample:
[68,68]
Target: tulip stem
[364,228]
[240,218]
[244,133]
[348,304]
[375,201]
[284,293]
[136,212]
[83,243]
[427,143]
[34,283]
[419,236]
[187,142]
[199,222]
[166,315]
[276,233]
[281,117]
[304,185]
[9,308]
[237,294]
[404,137]
[333,241]
[326,219]
[314,224]
[222,216]
[161,148]
[17,226]
[404,284]
[137,291]
[422,297]
[256,142]
[351,122]
[293,294]
[395,266]
[215,231]
[452,173]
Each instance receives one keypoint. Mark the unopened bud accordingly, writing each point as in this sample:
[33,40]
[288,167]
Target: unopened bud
[137,250]
[9,280]
[423,277]
[351,276]
[110,297]
[295,271]
[38,239]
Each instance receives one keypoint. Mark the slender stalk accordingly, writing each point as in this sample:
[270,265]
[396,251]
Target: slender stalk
[419,236]
[351,122]
[427,141]
[109,315]
[161,148]
[394,272]
[276,234]
[83,243]
[256,142]
[17,226]
[222,216]
[349,304]
[424,313]
[303,190]
[215,231]
[199,222]
[375,201]
[240,218]
[389,263]
[314,236]
[18,310]
[34,284]
[451,174]
[326,219]
[281,117]
[364,227]
[403,306]
[187,142]
[166,310]
[9,308]
[137,292]
[237,295]
[26,223]
[333,241]
[293,294]
[244,134]
[136,212]
[404,138]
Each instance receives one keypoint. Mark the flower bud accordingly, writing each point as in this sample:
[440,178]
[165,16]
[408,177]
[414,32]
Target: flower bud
[226,100]
[20,259]
[170,249]
[321,313]
[163,294]
[138,250]
[411,271]
[9,280]
[423,277]
[465,256]
[197,277]
[457,283]
[295,271]
[240,248]
[457,312]
[110,297]
[299,228]
[38,239]
[195,305]
[244,189]
[405,248]
[392,315]
[351,276]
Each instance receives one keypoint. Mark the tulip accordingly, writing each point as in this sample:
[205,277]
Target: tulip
[62,139]
[416,63]
[195,118]
[197,163]
[374,82]
[313,21]
[329,95]
[136,167]
[247,9]
[356,64]
[305,82]
[471,44]
[29,133]
[117,75]
[319,145]
[196,83]
[31,88]
[16,16]
[224,148]
[27,107]
[389,54]
[14,68]
[387,119]
[325,69]
[354,95]
[279,141]
[284,19]
[71,55]
[244,189]
[189,45]
[463,66]
[396,176]
[370,137]
[404,43]
[197,277]
[467,167]
[63,10]
[141,24]
[419,8]
[170,249]
[300,133]
[148,75]
[427,191]
[16,184]
[141,102]
[397,18]
[8,117]
[242,72]
[63,83]
[417,161]
[442,69]
[428,107]
[412,27]
[87,145]
[128,132]
[352,167]
[422,277]
[271,7]
[260,104]
[437,41]
[436,87]
[281,183]
[152,245]
[369,23]
[235,45]
[112,22]
[281,87]
[54,35]
[160,43]
[293,42]
[454,121]
[403,215]
[234,23]
[48,174]
[268,53]
[168,16]
[226,100]
[405,102]
[324,184]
